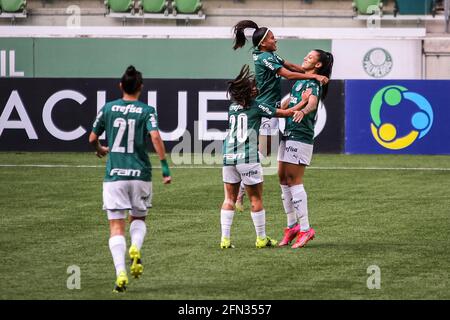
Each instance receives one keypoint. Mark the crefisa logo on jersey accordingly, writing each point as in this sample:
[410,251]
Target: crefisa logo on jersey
[385,132]
[377,62]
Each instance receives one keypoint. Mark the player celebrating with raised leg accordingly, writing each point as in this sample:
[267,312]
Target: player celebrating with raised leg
[269,68]
[127,184]
[296,149]
[240,154]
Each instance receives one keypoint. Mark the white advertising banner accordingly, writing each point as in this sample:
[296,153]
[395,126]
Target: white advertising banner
[377,59]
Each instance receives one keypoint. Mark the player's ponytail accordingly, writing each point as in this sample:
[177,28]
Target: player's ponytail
[131,80]
[327,60]
[240,39]
[240,89]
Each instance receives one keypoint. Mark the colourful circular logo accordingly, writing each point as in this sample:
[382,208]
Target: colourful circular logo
[386,133]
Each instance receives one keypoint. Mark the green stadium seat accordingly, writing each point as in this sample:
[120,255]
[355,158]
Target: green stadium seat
[154,6]
[366,6]
[13,5]
[120,5]
[415,7]
[187,6]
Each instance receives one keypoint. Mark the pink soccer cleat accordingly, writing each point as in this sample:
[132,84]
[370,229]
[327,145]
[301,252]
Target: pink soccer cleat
[289,235]
[303,238]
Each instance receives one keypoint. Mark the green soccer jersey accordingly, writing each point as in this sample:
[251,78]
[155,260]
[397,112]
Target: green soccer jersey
[127,125]
[241,143]
[303,131]
[268,81]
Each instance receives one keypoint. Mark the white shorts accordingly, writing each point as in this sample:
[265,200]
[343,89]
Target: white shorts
[132,195]
[249,173]
[295,152]
[269,127]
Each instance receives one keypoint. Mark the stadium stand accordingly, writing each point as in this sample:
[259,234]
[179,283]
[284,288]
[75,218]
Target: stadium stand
[153,6]
[416,7]
[13,9]
[367,6]
[120,6]
[187,6]
[13,5]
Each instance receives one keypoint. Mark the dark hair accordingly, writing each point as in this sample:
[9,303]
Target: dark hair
[240,89]
[131,80]
[240,39]
[327,67]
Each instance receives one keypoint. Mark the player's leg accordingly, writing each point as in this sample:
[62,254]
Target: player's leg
[115,203]
[231,183]
[292,226]
[240,198]
[141,201]
[269,128]
[118,247]
[252,176]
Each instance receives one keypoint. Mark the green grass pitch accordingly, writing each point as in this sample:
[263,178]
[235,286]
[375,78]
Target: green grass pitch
[396,219]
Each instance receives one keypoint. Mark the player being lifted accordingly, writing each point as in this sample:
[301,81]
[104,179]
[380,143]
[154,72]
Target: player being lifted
[296,149]
[127,184]
[240,154]
[269,68]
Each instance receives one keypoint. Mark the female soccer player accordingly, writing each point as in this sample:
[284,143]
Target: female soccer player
[127,184]
[240,154]
[296,149]
[269,68]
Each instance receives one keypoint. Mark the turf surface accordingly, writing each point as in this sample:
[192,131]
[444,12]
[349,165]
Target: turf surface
[396,219]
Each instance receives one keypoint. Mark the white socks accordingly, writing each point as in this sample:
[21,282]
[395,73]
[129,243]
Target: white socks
[118,247]
[300,204]
[138,229]
[288,207]
[226,220]
[259,220]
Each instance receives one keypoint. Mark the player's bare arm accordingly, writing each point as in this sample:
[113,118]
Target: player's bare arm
[100,151]
[290,75]
[293,66]
[305,97]
[313,101]
[158,144]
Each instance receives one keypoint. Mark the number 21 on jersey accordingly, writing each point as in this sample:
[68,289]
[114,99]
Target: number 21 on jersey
[122,125]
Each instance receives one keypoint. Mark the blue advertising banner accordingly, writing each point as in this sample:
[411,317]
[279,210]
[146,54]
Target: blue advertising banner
[397,117]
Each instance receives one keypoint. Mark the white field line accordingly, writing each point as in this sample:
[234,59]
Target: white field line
[219,166]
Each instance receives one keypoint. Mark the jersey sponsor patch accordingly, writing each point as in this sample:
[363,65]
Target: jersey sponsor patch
[234,156]
[129,108]
[125,172]
[265,109]
[249,173]
[236,107]
[268,64]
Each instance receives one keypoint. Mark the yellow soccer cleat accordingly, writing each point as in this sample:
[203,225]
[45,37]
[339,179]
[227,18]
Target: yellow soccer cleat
[121,282]
[225,243]
[265,242]
[136,268]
